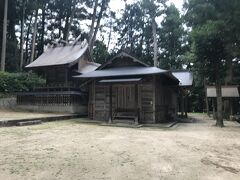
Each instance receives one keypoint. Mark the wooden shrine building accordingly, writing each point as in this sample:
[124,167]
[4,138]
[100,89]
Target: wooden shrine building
[61,93]
[126,88]
[185,78]
[231,100]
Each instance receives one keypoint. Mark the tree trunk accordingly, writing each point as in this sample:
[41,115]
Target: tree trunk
[22,35]
[43,28]
[141,40]
[70,20]
[27,40]
[109,36]
[12,7]
[219,122]
[229,72]
[206,98]
[67,22]
[154,34]
[228,81]
[93,21]
[60,24]
[207,105]
[214,108]
[4,36]
[97,26]
[34,37]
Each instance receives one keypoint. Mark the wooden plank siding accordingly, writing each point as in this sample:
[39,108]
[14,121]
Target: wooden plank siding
[146,111]
[123,96]
[157,102]
[166,101]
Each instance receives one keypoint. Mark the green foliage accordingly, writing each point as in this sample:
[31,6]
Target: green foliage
[131,28]
[214,43]
[100,53]
[210,50]
[172,40]
[15,82]
[135,28]
[12,56]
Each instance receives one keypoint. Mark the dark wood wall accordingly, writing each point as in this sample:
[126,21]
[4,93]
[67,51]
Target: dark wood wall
[166,100]
[56,75]
[157,101]
[146,101]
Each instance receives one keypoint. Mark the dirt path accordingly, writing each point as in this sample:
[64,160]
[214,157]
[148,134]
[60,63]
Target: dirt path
[71,150]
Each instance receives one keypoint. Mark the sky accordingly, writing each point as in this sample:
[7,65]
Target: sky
[117,5]
[177,3]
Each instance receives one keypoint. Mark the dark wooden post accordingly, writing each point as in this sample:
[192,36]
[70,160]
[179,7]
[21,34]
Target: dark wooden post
[182,103]
[66,77]
[214,109]
[231,106]
[186,106]
[207,106]
[136,104]
[93,99]
[206,98]
[110,104]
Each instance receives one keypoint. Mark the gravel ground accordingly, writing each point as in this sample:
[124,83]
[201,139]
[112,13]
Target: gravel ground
[72,150]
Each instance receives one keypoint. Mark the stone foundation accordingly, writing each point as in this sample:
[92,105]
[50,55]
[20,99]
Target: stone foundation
[72,109]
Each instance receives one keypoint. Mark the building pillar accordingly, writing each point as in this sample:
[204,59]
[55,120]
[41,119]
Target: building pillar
[186,106]
[110,104]
[214,109]
[182,103]
[136,104]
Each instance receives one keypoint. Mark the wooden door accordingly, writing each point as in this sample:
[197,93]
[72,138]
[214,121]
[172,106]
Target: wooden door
[125,97]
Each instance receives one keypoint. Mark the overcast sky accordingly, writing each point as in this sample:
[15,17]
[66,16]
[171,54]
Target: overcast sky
[117,5]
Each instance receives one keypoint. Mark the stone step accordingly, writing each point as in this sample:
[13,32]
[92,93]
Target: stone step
[125,121]
[124,117]
[132,125]
[27,123]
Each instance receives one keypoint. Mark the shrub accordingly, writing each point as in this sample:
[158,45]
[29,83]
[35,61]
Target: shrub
[15,82]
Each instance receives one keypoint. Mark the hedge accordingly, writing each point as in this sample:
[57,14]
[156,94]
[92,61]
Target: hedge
[15,82]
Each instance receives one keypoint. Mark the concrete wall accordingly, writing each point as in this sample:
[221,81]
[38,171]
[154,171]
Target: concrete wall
[8,103]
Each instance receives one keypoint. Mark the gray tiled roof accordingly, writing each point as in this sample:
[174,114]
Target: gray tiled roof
[88,67]
[185,78]
[120,80]
[59,56]
[123,71]
[227,91]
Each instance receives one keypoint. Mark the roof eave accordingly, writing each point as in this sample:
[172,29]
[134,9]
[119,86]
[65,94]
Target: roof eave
[45,66]
[122,54]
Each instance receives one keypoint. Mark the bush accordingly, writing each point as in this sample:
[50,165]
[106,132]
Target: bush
[15,82]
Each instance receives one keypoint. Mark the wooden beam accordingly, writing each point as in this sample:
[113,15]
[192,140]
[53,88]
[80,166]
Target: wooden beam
[94,99]
[186,106]
[154,98]
[231,106]
[214,109]
[66,76]
[110,104]
[136,104]
[182,102]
